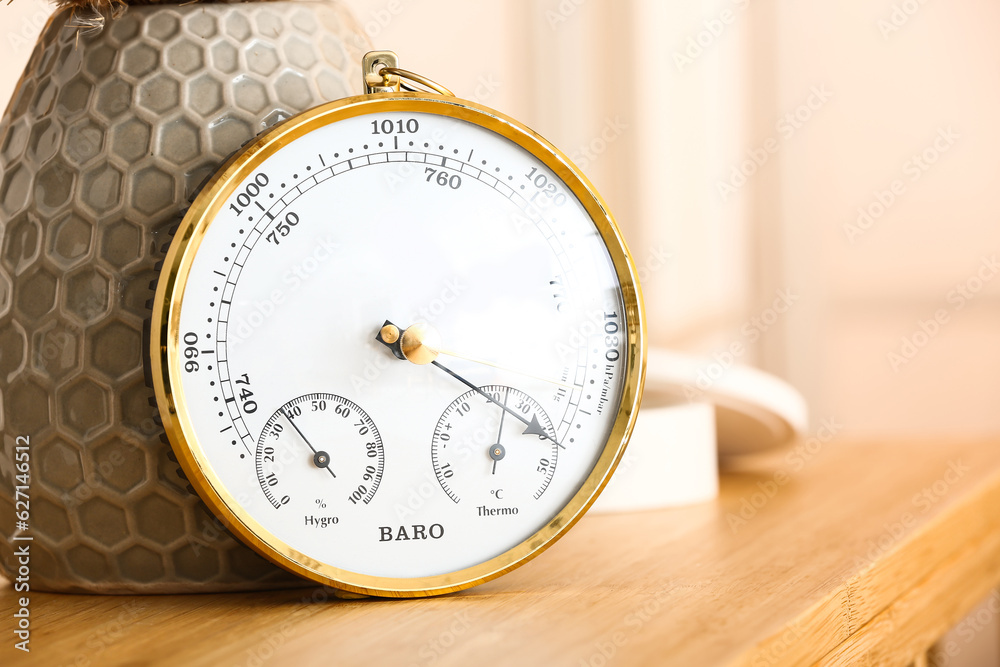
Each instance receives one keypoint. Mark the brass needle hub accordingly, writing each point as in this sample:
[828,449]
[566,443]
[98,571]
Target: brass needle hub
[420,343]
[390,333]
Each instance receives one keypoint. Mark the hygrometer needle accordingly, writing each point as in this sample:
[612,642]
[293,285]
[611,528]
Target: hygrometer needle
[321,459]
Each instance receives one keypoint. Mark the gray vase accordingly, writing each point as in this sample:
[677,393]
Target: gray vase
[105,140]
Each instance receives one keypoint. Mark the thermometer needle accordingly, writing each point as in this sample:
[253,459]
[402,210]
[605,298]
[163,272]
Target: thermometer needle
[321,459]
[497,451]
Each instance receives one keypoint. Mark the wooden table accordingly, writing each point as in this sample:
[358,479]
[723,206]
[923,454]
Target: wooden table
[838,553]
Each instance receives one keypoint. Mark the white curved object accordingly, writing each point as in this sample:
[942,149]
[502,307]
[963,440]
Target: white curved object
[755,411]
[695,410]
[670,461]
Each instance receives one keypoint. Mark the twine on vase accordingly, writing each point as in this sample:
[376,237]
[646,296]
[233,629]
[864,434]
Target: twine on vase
[90,16]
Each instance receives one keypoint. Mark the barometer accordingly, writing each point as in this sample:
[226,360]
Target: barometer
[398,341]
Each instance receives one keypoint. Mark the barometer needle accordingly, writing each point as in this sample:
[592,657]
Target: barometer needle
[449,353]
[533,427]
[419,344]
[318,456]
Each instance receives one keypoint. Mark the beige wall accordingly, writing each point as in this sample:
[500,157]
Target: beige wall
[901,85]
[865,95]
[22,21]
[596,79]
[661,122]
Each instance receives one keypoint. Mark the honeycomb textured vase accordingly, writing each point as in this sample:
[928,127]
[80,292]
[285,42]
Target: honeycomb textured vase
[105,140]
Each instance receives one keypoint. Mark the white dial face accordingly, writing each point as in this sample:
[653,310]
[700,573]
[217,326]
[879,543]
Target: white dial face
[296,395]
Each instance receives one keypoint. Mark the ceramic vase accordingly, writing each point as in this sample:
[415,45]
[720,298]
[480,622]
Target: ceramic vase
[105,140]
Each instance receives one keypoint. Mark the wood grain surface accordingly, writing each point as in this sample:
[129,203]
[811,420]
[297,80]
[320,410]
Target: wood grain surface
[839,553]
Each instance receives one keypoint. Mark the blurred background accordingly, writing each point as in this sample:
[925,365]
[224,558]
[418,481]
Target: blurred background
[839,157]
[842,154]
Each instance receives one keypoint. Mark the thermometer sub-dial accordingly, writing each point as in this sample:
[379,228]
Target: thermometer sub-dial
[319,454]
[495,447]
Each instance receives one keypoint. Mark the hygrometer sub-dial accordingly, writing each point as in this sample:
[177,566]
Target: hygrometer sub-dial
[319,454]
[483,455]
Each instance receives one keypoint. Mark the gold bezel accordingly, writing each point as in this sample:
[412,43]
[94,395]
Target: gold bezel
[166,362]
